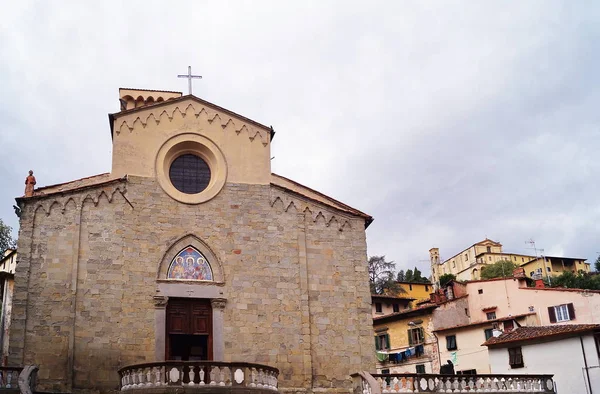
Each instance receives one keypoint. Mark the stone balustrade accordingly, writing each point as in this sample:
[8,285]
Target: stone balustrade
[365,383]
[9,377]
[198,375]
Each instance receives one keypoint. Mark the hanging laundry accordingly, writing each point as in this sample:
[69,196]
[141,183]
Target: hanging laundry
[381,357]
[394,357]
[419,350]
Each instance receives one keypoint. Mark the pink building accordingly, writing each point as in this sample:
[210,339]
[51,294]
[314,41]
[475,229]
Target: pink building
[471,312]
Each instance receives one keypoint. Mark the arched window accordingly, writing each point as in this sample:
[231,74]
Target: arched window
[475,274]
[190,264]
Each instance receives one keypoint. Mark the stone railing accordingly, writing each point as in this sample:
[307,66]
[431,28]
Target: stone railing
[9,377]
[198,375]
[365,383]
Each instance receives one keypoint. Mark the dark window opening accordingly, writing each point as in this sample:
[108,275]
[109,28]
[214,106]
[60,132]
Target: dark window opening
[451,342]
[480,291]
[420,368]
[491,315]
[489,249]
[396,307]
[189,174]
[515,357]
[488,332]
[378,307]
[467,372]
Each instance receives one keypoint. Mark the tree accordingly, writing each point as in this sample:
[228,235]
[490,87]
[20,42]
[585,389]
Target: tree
[408,277]
[579,280]
[444,279]
[401,276]
[500,269]
[417,276]
[381,276]
[597,264]
[6,239]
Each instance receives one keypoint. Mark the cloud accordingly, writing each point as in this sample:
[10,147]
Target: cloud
[446,123]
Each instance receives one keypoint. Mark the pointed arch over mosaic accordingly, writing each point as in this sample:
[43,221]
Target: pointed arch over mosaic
[190,264]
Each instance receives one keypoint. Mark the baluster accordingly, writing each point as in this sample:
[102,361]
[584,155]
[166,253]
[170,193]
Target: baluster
[192,375]
[148,377]
[213,375]
[201,373]
[9,379]
[253,377]
[124,381]
[158,380]
[222,376]
[394,385]
[260,378]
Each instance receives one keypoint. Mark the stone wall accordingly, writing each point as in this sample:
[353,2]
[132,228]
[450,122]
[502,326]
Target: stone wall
[295,281]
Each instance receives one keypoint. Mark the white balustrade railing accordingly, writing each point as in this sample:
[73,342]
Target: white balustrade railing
[365,383]
[211,374]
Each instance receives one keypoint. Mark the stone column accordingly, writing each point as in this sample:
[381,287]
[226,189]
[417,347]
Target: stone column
[218,310]
[160,327]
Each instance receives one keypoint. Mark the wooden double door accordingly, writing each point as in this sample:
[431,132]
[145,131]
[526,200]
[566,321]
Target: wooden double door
[189,329]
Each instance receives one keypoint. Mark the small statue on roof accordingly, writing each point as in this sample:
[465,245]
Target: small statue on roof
[29,184]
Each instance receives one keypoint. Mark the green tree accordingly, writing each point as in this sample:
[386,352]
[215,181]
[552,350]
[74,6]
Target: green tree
[597,264]
[500,269]
[408,277]
[417,276]
[381,276]
[401,277]
[6,239]
[577,280]
[444,279]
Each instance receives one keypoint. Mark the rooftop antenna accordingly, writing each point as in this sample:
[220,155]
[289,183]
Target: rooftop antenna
[532,243]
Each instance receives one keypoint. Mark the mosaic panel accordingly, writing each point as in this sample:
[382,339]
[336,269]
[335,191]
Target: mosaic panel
[190,264]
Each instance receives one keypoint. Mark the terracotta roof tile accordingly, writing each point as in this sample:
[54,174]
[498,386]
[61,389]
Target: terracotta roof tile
[95,180]
[528,333]
[392,297]
[483,322]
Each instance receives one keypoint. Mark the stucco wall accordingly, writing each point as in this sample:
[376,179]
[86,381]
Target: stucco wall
[451,313]
[511,299]
[563,358]
[295,281]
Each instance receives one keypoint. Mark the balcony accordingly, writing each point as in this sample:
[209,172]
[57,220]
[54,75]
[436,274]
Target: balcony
[199,376]
[365,383]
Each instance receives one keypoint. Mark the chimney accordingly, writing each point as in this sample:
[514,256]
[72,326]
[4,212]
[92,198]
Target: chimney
[539,284]
[519,272]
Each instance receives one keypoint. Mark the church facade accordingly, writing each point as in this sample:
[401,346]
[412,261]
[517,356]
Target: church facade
[189,249]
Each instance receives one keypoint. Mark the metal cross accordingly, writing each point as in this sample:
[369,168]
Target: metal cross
[189,77]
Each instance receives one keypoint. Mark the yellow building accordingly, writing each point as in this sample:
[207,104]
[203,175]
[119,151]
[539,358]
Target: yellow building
[418,291]
[553,266]
[405,343]
[467,264]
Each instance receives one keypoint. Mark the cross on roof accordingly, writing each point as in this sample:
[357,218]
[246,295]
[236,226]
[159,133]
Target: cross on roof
[189,77]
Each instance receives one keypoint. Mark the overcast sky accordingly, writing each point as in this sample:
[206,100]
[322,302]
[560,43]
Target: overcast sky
[448,122]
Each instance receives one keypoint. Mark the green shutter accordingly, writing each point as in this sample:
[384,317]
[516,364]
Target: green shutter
[422,335]
[376,343]
[410,338]
[387,341]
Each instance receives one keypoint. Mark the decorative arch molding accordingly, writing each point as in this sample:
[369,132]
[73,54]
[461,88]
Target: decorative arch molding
[318,215]
[200,246]
[63,203]
[186,109]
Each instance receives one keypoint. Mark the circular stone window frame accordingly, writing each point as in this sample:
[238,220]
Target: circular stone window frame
[190,143]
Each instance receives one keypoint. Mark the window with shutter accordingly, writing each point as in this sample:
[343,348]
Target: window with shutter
[561,313]
[551,314]
[515,357]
